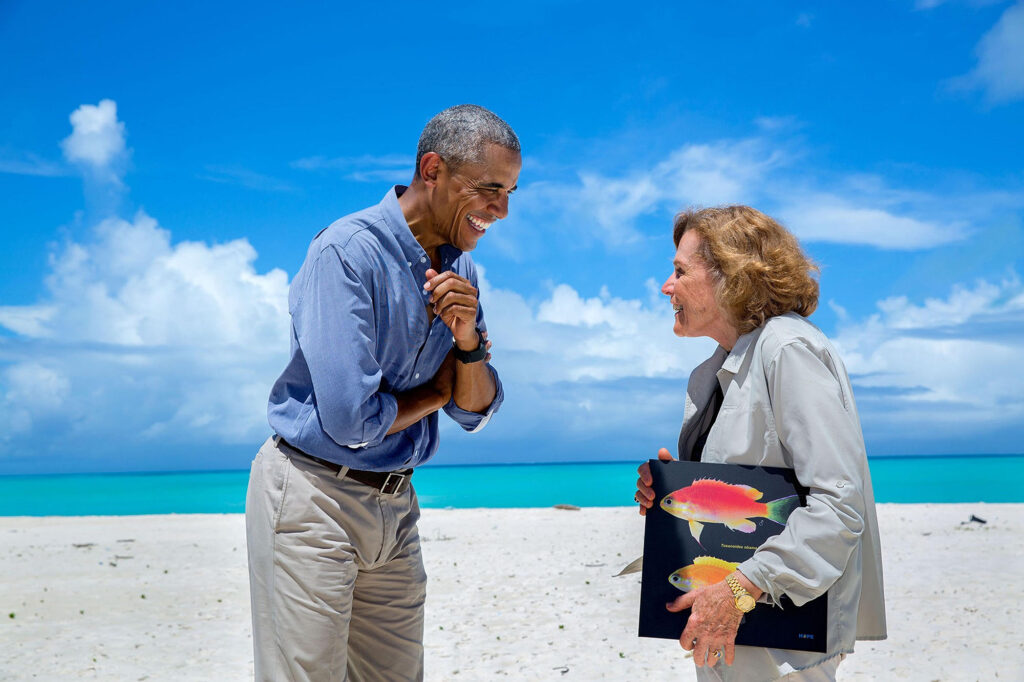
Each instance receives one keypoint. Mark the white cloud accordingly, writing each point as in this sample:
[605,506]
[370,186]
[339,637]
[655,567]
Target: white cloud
[940,372]
[963,305]
[97,140]
[855,209]
[152,337]
[831,218]
[774,124]
[615,203]
[28,321]
[234,175]
[30,164]
[30,389]
[132,287]
[932,4]
[385,175]
[726,171]
[1000,68]
[154,334]
[718,173]
[943,368]
[350,162]
[592,367]
[143,337]
[142,334]
[366,168]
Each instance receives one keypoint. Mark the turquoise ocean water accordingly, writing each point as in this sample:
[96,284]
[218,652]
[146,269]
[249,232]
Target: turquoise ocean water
[977,478]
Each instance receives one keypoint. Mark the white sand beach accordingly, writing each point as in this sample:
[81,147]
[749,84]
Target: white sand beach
[515,594]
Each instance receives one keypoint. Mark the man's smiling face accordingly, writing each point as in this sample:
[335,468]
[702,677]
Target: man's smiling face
[472,197]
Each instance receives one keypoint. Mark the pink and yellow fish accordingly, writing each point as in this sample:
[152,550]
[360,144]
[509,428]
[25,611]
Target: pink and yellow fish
[705,570]
[711,501]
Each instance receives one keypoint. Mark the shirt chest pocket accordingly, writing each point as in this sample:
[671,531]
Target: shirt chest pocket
[744,434]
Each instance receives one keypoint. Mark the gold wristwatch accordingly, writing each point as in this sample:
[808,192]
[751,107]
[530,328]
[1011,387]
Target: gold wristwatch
[744,602]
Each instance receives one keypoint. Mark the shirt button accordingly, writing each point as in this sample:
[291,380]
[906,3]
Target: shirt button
[409,263]
[416,376]
[840,484]
[423,259]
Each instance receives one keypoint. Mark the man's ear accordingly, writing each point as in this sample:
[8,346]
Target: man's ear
[430,166]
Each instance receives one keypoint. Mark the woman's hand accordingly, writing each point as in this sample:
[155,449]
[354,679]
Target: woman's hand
[711,629]
[644,493]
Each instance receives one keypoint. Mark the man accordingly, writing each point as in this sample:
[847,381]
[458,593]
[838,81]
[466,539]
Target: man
[386,330]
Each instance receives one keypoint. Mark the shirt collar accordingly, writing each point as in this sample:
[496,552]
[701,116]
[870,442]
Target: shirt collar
[739,351]
[395,220]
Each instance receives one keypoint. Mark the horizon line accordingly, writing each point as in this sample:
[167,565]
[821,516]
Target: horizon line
[173,472]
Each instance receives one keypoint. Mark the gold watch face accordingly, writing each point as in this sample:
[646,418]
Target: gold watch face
[745,603]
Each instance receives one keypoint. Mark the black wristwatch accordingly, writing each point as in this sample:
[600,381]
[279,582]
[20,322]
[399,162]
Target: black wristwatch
[467,357]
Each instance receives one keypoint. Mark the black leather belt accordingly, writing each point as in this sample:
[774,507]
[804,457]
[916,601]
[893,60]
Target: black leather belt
[387,482]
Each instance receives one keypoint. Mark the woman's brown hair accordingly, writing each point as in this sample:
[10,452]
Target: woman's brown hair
[757,265]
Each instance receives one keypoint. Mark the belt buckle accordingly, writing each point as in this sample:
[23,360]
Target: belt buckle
[394,483]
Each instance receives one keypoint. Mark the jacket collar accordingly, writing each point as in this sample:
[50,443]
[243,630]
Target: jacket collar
[740,351]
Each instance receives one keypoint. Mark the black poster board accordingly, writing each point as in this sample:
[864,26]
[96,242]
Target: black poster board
[737,504]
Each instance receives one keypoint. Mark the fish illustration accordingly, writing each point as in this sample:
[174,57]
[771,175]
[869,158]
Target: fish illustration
[705,570]
[711,501]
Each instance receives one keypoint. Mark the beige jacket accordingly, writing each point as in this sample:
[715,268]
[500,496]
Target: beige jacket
[788,403]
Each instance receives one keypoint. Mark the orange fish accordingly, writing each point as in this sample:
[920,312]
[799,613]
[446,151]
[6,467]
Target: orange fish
[705,570]
[711,501]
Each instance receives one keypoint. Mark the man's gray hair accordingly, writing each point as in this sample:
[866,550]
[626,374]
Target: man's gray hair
[460,134]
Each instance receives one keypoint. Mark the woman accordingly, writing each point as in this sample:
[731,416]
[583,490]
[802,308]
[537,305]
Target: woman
[774,393]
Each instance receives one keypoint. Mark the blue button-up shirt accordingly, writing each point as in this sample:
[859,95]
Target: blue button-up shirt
[360,334]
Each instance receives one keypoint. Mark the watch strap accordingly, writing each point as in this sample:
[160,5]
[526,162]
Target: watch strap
[471,356]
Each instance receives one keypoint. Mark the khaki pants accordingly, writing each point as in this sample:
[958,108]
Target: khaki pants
[754,663]
[335,574]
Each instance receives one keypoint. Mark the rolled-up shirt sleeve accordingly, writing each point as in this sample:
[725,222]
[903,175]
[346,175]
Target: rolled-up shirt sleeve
[334,325]
[818,427]
[474,421]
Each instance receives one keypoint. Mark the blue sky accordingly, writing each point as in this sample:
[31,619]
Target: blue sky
[163,168]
